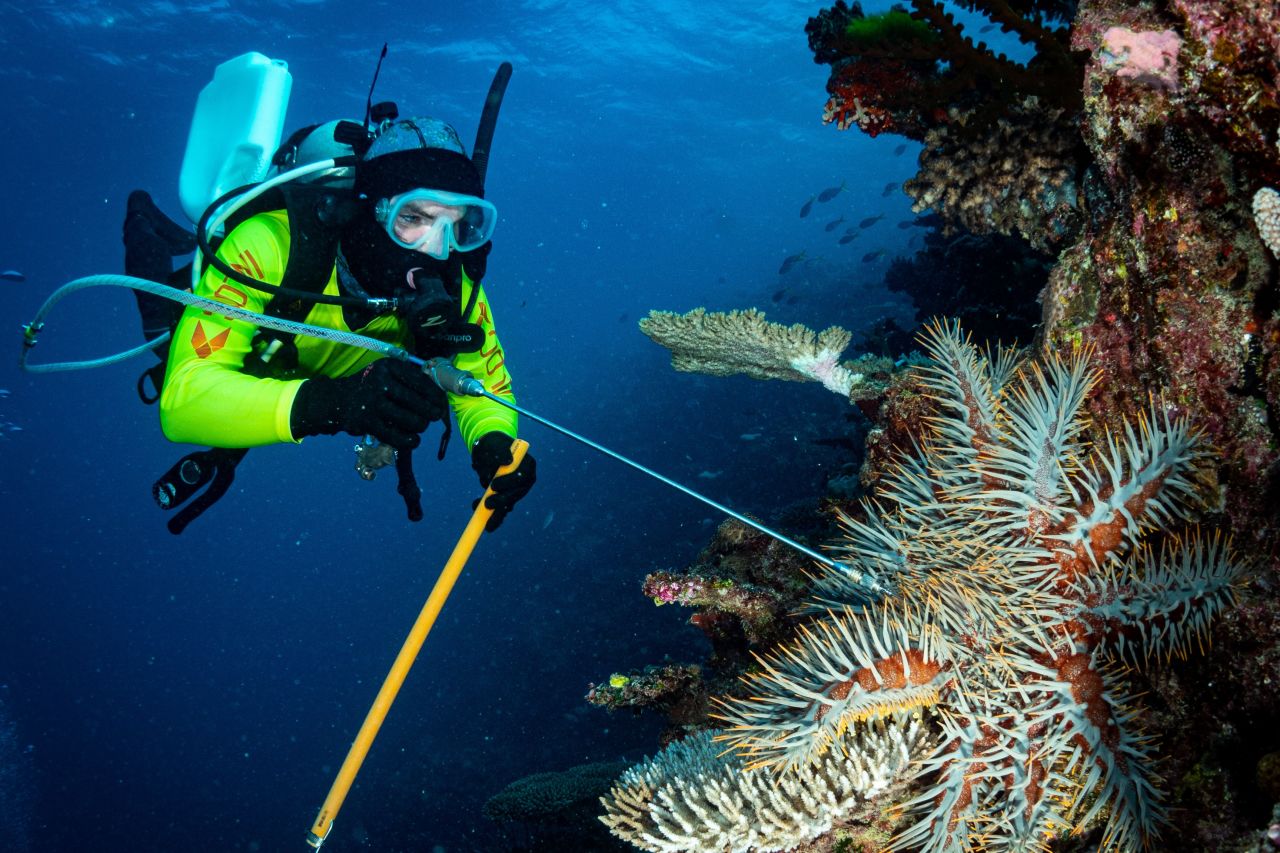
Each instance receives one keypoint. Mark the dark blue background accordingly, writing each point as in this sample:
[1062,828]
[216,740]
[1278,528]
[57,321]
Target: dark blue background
[198,692]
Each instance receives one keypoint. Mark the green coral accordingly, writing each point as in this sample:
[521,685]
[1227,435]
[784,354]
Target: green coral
[892,27]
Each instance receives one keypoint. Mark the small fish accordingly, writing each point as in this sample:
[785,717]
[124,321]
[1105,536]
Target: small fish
[898,151]
[889,188]
[777,297]
[873,256]
[830,192]
[709,475]
[790,262]
[988,28]
[551,516]
[4,392]
[870,220]
[831,226]
[750,436]
[12,275]
[906,223]
[848,238]
[808,206]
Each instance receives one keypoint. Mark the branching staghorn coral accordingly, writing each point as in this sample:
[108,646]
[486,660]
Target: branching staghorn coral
[743,342]
[1023,593]
[693,797]
[1018,179]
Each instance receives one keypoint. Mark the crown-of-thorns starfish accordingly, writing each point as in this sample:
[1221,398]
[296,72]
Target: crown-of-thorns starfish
[1021,593]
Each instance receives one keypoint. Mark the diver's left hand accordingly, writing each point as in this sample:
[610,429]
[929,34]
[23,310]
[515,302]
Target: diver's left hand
[491,452]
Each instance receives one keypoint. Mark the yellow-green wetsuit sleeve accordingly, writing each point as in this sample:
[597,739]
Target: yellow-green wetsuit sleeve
[479,415]
[206,398]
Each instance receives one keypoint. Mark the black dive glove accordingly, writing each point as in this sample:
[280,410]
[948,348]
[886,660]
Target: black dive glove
[491,452]
[391,400]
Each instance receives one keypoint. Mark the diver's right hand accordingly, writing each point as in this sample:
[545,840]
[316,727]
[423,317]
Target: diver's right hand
[392,400]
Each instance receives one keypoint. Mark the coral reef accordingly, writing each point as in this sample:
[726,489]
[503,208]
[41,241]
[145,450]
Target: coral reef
[1171,282]
[1035,579]
[542,794]
[694,798]
[744,342]
[754,608]
[675,690]
[1002,154]
[1148,57]
[900,71]
[1021,176]
[1024,589]
[556,811]
[1151,173]
[745,586]
[1217,764]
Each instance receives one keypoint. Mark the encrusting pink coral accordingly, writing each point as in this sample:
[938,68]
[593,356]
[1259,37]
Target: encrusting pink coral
[1149,57]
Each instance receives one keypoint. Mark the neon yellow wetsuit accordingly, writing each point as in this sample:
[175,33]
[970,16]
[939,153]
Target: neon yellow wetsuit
[207,399]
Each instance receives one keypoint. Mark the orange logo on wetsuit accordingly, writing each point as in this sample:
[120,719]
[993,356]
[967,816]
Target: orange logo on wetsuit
[203,346]
[229,295]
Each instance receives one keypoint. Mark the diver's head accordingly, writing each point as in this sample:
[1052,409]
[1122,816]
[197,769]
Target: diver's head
[423,200]
[424,190]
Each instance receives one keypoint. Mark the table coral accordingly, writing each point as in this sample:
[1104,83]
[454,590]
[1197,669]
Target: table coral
[744,342]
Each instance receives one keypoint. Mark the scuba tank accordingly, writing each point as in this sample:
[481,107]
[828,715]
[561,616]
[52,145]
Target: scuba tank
[238,122]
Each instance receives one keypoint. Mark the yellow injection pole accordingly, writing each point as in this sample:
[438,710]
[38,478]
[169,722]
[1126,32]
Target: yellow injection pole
[408,653]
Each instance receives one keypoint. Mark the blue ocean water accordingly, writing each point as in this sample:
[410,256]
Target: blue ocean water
[199,692]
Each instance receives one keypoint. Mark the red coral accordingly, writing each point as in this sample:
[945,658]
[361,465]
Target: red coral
[878,96]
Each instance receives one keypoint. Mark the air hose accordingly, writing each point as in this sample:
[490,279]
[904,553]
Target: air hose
[31,331]
[444,374]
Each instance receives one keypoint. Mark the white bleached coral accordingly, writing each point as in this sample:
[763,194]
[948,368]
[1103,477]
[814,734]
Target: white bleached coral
[692,798]
[1266,214]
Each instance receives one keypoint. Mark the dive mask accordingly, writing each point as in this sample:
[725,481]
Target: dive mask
[435,221]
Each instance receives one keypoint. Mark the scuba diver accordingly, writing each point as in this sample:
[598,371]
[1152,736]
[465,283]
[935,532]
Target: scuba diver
[403,250]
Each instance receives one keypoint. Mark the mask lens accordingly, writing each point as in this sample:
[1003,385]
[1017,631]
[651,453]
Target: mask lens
[435,221]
